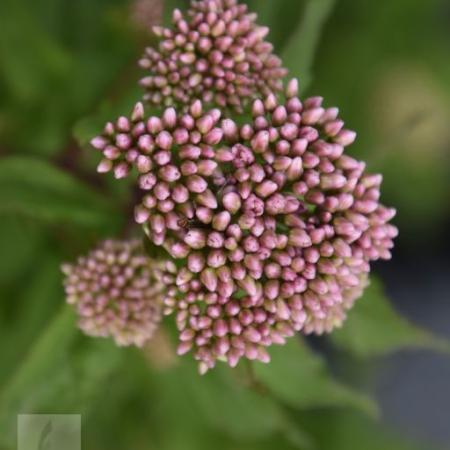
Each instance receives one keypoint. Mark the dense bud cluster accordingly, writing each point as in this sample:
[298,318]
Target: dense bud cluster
[217,53]
[117,292]
[275,226]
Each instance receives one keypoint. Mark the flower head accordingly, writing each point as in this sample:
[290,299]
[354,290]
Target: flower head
[324,206]
[274,224]
[175,160]
[217,53]
[337,313]
[225,324]
[116,291]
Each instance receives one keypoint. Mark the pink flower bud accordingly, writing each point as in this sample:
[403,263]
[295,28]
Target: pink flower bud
[209,279]
[345,138]
[105,166]
[121,171]
[196,184]
[299,238]
[266,188]
[99,143]
[195,239]
[232,202]
[221,221]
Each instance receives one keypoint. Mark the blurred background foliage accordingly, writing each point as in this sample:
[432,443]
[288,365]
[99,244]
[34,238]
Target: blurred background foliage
[67,67]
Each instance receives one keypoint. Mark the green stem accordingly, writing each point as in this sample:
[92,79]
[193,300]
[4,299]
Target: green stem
[300,51]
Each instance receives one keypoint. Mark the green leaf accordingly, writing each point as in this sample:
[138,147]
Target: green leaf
[298,55]
[77,383]
[20,241]
[28,53]
[34,302]
[277,442]
[228,405]
[281,16]
[34,188]
[223,401]
[59,374]
[300,379]
[342,429]
[43,358]
[220,396]
[109,109]
[374,328]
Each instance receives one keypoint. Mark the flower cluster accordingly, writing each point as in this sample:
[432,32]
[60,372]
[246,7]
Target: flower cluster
[217,53]
[117,292]
[273,223]
[270,225]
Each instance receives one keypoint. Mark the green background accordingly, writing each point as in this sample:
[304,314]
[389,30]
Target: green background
[68,66]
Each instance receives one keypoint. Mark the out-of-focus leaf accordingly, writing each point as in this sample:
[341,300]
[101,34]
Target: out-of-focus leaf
[27,62]
[33,304]
[44,357]
[425,202]
[92,125]
[158,410]
[224,402]
[277,442]
[176,411]
[298,54]
[374,328]
[52,73]
[37,189]
[71,381]
[300,379]
[259,415]
[79,381]
[281,16]
[341,429]
[218,397]
[19,240]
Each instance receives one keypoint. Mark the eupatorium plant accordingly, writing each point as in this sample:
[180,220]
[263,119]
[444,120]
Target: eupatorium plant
[268,224]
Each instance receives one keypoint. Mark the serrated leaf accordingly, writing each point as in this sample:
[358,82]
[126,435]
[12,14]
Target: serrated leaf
[298,54]
[300,379]
[34,188]
[374,328]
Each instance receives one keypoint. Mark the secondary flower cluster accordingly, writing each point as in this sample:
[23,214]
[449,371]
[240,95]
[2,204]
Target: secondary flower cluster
[217,53]
[117,292]
[273,224]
